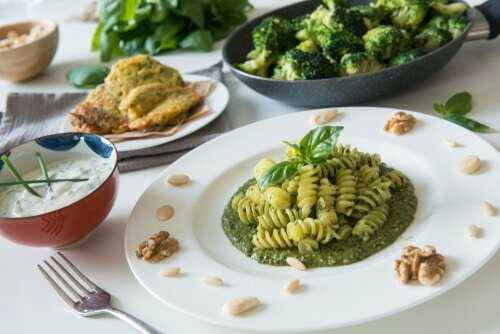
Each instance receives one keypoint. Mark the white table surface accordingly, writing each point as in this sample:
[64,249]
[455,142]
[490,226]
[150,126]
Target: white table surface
[28,305]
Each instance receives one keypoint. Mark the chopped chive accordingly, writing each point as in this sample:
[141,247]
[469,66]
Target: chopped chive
[18,176]
[43,167]
[15,183]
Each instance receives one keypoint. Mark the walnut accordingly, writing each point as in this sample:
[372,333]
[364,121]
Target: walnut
[424,265]
[400,123]
[157,247]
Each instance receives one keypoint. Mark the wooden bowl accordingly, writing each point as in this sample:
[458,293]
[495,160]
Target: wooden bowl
[26,61]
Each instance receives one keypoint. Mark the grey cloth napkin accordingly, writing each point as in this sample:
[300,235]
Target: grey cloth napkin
[31,115]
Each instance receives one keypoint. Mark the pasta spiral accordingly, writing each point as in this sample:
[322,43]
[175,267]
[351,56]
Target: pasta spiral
[275,218]
[346,190]
[310,229]
[397,178]
[277,238]
[291,186]
[262,167]
[277,197]
[368,174]
[247,209]
[307,193]
[372,196]
[371,222]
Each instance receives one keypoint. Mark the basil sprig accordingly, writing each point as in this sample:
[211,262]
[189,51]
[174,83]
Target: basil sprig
[455,109]
[87,76]
[315,147]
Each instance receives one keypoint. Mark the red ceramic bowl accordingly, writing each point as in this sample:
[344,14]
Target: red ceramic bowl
[72,223]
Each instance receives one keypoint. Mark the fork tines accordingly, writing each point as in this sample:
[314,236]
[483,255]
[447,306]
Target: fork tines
[70,288]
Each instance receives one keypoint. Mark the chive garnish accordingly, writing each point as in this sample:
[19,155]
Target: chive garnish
[18,176]
[43,167]
[15,183]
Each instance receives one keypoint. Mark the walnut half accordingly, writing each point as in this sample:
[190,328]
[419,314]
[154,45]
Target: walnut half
[157,247]
[400,123]
[424,265]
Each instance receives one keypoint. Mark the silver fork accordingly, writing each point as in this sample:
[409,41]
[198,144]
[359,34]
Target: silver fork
[84,296]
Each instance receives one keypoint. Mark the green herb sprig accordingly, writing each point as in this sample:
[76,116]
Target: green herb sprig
[17,175]
[15,183]
[87,76]
[455,109]
[314,148]
[26,183]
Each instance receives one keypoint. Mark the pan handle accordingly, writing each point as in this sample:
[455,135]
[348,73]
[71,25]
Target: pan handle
[491,12]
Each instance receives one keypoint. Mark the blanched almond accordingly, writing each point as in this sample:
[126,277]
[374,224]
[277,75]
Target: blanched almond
[170,272]
[165,212]
[474,231]
[295,263]
[212,280]
[323,116]
[292,286]
[238,306]
[470,164]
[489,209]
[178,180]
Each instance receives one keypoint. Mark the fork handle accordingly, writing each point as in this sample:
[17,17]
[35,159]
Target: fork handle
[138,324]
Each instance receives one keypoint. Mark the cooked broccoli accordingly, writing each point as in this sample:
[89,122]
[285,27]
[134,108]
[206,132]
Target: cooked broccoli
[406,57]
[359,62]
[408,14]
[274,34]
[341,18]
[438,22]
[307,46]
[337,43]
[384,42]
[432,38]
[258,63]
[457,25]
[333,4]
[372,16]
[452,9]
[299,65]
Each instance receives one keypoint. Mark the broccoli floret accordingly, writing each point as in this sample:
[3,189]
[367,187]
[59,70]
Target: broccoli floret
[408,14]
[457,25]
[452,9]
[337,43]
[299,65]
[372,16]
[384,42]
[307,46]
[258,63]
[359,62]
[438,22]
[429,39]
[341,18]
[274,34]
[333,4]
[406,57]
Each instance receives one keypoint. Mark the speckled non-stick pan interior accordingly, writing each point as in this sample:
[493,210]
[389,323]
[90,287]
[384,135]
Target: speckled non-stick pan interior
[334,91]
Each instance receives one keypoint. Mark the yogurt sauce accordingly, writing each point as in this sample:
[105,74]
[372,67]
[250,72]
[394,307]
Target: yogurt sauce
[15,201]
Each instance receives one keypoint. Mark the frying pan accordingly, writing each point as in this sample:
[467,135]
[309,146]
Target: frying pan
[484,24]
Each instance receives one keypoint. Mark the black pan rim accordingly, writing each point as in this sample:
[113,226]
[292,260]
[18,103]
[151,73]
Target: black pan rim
[470,14]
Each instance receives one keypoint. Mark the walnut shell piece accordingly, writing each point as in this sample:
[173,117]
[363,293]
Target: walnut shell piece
[400,123]
[423,265]
[157,247]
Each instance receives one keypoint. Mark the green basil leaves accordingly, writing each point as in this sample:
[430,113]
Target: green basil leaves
[455,109]
[87,76]
[315,147]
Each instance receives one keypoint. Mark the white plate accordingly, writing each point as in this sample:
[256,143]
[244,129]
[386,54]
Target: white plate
[217,101]
[333,297]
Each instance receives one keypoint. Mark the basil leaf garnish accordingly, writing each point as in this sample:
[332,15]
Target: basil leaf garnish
[279,173]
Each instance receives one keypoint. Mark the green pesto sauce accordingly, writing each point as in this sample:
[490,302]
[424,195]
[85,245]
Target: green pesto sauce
[403,205]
